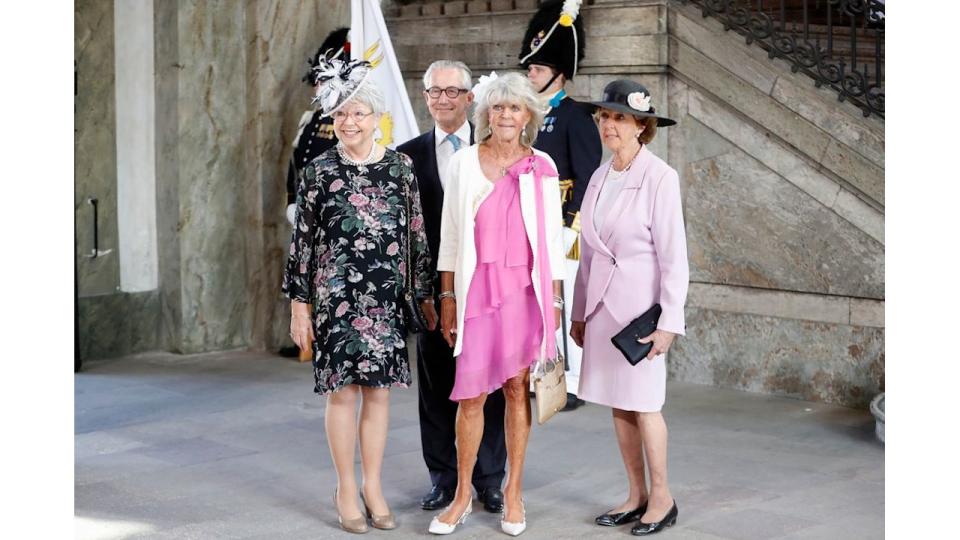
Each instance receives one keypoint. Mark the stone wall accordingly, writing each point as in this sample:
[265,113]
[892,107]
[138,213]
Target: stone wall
[111,322]
[782,186]
[228,97]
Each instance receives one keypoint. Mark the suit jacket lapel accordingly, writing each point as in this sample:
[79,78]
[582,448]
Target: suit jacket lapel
[432,167]
[590,199]
[634,180]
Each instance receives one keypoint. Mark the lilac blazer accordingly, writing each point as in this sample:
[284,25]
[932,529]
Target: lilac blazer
[639,257]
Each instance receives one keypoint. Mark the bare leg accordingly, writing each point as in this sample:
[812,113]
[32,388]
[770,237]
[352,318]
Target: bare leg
[374,419]
[653,429]
[626,424]
[517,432]
[340,422]
[469,433]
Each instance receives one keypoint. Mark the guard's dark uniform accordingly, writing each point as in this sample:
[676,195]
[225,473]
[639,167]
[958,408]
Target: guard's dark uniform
[555,38]
[570,137]
[313,139]
[314,131]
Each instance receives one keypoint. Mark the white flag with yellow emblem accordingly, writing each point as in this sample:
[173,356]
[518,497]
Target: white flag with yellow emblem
[370,41]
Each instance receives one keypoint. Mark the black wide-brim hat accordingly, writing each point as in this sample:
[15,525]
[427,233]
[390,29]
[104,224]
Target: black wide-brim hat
[629,97]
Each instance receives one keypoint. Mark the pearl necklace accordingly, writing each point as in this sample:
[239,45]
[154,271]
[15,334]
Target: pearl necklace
[618,174]
[361,163]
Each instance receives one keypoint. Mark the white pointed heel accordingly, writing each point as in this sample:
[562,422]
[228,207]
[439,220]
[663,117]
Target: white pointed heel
[439,527]
[514,529]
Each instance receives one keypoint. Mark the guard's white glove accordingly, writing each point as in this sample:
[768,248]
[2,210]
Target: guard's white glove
[569,237]
[292,214]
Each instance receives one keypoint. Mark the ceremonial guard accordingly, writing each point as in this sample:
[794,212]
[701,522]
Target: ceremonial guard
[314,137]
[314,131]
[551,51]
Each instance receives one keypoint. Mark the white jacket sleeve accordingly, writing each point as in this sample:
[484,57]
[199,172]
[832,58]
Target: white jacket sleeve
[450,219]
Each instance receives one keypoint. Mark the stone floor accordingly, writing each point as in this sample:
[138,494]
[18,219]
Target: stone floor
[231,445]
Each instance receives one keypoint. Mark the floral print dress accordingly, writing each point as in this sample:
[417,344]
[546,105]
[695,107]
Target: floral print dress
[347,259]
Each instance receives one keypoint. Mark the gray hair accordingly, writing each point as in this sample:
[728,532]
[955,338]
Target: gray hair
[368,94]
[510,88]
[465,74]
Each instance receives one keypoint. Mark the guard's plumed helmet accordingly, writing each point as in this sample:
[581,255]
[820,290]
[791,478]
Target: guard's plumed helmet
[555,37]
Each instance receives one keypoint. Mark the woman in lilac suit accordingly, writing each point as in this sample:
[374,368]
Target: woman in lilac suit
[633,255]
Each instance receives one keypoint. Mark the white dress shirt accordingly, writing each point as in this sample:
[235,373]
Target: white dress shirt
[445,148]
[609,191]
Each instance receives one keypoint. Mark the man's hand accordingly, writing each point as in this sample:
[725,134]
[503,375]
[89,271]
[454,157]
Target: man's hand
[430,314]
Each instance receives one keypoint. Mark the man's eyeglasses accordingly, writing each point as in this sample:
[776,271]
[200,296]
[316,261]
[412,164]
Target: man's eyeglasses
[452,92]
[357,116]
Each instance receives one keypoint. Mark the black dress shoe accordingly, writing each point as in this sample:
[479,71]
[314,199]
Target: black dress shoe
[573,402]
[438,497]
[619,518]
[492,499]
[289,352]
[669,520]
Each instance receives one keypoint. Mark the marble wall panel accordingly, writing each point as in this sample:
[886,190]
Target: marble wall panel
[281,36]
[809,360]
[166,81]
[119,324]
[215,215]
[95,150]
[747,226]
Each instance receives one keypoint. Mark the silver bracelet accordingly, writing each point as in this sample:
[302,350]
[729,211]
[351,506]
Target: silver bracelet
[447,294]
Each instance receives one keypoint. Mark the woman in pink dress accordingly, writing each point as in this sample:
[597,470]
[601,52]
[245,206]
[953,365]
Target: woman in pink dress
[500,265]
[633,255]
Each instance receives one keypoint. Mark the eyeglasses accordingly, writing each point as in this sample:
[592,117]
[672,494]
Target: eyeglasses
[357,116]
[452,92]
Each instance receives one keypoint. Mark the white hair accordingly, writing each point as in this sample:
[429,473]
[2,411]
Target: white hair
[368,94]
[510,88]
[465,74]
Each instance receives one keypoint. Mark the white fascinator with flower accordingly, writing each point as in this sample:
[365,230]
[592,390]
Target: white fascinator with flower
[482,87]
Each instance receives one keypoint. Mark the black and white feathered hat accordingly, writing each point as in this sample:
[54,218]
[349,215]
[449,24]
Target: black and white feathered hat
[336,46]
[338,81]
[555,37]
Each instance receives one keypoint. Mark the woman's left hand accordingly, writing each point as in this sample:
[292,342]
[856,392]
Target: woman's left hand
[661,342]
[557,318]
[430,314]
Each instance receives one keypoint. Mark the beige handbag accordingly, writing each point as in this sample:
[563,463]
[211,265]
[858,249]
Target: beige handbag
[550,386]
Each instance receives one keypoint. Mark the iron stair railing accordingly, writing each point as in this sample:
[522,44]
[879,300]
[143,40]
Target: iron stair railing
[838,43]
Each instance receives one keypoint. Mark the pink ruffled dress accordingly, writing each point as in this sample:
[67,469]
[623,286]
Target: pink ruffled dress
[503,323]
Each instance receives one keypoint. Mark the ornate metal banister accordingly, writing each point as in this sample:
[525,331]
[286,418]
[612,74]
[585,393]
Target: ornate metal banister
[838,43]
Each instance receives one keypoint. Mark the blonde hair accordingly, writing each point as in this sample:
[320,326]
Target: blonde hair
[509,88]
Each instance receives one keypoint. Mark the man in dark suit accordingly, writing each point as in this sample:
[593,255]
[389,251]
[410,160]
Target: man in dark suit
[447,94]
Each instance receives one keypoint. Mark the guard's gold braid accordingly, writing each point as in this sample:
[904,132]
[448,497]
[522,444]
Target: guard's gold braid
[566,190]
[574,253]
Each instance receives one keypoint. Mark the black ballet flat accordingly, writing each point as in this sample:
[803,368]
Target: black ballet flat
[619,518]
[669,520]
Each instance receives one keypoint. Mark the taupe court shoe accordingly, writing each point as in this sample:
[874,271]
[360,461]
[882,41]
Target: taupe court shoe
[385,522]
[355,525]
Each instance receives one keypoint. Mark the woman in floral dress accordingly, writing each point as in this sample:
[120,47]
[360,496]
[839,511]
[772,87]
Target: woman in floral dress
[345,278]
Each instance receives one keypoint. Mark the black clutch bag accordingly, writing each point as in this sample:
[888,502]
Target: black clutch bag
[626,340]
